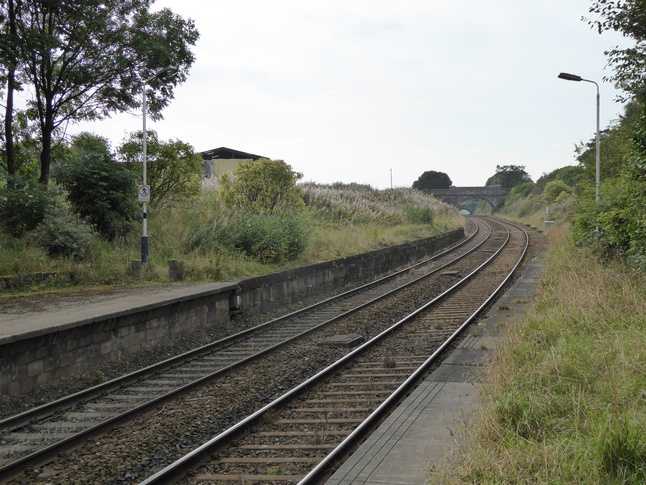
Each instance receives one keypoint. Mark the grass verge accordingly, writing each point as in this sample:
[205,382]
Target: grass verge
[565,399]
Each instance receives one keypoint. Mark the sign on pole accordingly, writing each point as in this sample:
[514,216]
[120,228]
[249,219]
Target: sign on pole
[144,193]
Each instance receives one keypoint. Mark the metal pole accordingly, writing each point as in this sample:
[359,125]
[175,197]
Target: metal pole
[598,161]
[574,77]
[144,223]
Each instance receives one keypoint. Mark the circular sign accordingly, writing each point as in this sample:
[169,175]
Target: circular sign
[144,193]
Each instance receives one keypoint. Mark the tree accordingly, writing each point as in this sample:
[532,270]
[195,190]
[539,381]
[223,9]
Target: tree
[520,191]
[432,180]
[554,189]
[629,18]
[570,174]
[22,160]
[99,188]
[174,171]
[509,176]
[262,186]
[87,59]
[9,58]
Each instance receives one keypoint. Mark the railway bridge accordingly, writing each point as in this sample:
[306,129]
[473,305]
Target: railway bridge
[494,195]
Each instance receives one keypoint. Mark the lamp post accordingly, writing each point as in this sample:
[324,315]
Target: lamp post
[144,223]
[574,77]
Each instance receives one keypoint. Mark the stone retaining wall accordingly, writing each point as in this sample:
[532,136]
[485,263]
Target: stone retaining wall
[278,290]
[38,357]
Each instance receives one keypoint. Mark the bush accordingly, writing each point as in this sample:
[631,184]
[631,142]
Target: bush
[265,238]
[100,189]
[63,233]
[262,186]
[554,189]
[23,205]
[615,225]
[419,215]
[520,191]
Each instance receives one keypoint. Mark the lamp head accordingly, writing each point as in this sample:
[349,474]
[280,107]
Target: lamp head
[570,77]
[166,72]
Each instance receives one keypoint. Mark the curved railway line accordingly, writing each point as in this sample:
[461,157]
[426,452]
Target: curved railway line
[299,439]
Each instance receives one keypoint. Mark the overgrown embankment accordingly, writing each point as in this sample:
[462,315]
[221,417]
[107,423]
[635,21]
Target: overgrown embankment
[565,398]
[216,243]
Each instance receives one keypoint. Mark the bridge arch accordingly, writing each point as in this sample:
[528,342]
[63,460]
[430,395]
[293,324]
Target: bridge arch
[494,195]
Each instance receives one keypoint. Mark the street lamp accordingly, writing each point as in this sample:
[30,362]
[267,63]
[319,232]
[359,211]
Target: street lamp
[574,77]
[146,194]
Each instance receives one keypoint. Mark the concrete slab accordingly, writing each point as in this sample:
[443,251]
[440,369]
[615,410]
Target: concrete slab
[402,451]
[345,341]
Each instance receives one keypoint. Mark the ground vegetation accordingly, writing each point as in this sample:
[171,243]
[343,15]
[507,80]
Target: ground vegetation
[214,239]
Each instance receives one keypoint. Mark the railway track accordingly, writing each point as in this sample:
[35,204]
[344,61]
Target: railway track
[36,436]
[301,436]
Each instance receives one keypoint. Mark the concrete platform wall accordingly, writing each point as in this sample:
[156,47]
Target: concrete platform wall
[56,349]
[35,358]
[271,292]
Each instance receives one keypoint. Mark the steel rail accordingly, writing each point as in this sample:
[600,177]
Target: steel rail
[322,468]
[44,411]
[196,457]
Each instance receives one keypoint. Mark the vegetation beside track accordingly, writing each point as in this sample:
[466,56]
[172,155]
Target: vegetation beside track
[336,220]
[564,400]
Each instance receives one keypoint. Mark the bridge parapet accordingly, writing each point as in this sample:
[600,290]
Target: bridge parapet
[494,195]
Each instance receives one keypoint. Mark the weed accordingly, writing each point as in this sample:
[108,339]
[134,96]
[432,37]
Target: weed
[338,221]
[277,470]
[504,307]
[98,377]
[389,361]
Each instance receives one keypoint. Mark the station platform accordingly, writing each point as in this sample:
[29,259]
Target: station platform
[428,429]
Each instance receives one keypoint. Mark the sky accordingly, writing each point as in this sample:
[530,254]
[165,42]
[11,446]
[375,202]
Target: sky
[379,91]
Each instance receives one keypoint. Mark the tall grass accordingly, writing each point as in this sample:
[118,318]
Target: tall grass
[565,398]
[342,220]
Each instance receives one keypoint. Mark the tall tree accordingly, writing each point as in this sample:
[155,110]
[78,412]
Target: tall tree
[87,59]
[509,176]
[432,180]
[175,172]
[629,18]
[9,57]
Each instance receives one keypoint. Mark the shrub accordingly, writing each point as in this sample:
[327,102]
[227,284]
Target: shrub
[419,215]
[265,238]
[23,205]
[100,189]
[63,233]
[262,186]
[554,189]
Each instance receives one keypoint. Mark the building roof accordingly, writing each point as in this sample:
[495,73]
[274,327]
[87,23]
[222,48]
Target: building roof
[228,154]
